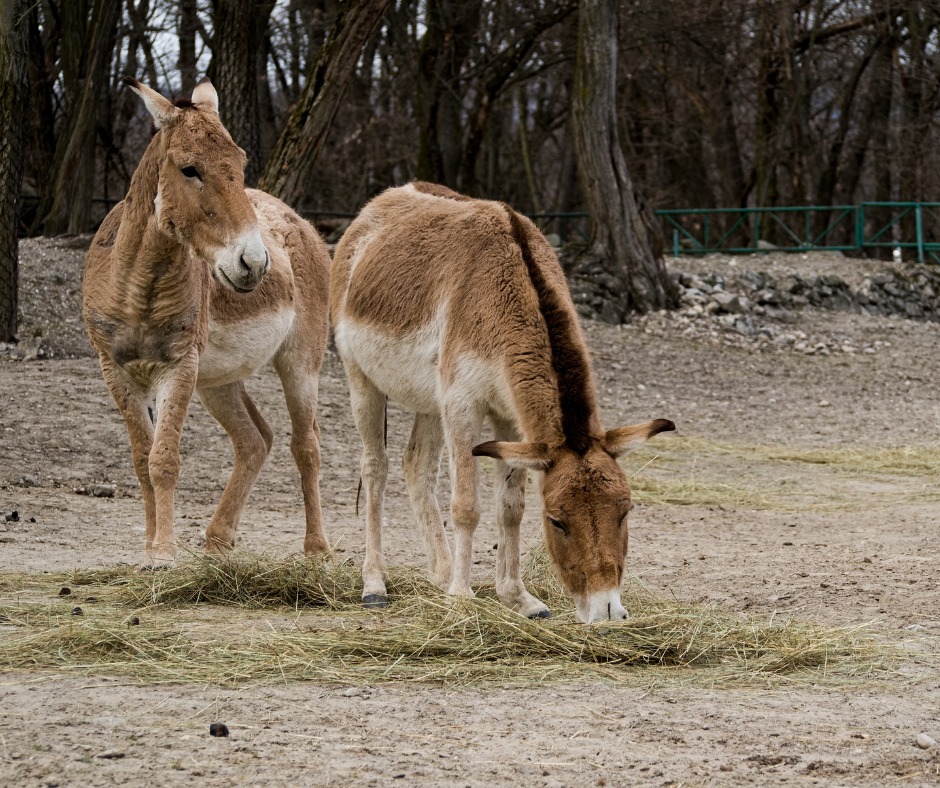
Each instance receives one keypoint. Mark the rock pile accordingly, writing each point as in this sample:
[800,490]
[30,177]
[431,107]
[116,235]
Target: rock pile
[905,290]
[753,308]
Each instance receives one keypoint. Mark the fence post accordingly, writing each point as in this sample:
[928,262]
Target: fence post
[920,233]
[859,227]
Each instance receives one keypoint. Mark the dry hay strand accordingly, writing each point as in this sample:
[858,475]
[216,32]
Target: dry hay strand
[696,492]
[919,461]
[298,619]
[698,472]
[922,460]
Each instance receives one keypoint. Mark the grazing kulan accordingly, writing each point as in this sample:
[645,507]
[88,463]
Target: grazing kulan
[458,310]
[191,284]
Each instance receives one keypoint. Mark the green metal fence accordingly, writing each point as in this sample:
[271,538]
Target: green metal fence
[912,226]
[904,225]
[742,230]
[860,229]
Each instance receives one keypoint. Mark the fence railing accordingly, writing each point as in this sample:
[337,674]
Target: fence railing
[849,228]
[862,228]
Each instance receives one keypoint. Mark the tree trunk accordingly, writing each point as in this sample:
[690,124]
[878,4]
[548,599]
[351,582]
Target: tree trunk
[186,29]
[623,229]
[14,103]
[874,113]
[309,122]
[139,15]
[239,28]
[828,178]
[724,136]
[66,203]
[766,142]
[444,47]
[879,147]
[918,99]
[44,35]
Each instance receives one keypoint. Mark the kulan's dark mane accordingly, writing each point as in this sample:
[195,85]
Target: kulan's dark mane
[570,362]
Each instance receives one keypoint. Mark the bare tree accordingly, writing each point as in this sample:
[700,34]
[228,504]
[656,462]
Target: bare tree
[311,117]
[14,99]
[87,42]
[44,33]
[494,76]
[443,49]
[239,29]
[622,235]
[187,26]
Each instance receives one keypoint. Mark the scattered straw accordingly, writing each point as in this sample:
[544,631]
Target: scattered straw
[248,619]
[699,472]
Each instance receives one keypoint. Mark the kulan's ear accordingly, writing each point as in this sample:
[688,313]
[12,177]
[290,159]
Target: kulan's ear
[531,456]
[205,96]
[160,108]
[617,441]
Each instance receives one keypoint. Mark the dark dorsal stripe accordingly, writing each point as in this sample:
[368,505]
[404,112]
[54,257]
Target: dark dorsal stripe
[569,360]
[437,190]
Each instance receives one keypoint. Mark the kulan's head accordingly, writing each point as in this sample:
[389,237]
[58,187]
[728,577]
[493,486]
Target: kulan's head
[586,501]
[200,198]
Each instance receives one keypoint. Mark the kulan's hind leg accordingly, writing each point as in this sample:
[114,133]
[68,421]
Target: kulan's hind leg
[368,407]
[301,390]
[422,462]
[251,438]
[462,430]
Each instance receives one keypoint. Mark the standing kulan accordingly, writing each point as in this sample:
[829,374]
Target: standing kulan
[191,284]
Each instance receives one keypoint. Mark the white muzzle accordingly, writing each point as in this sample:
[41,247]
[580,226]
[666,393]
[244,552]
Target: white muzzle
[243,264]
[599,606]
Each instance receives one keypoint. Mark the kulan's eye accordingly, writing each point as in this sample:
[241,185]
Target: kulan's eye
[559,525]
[623,517]
[191,172]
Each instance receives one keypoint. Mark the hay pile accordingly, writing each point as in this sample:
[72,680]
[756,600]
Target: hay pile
[251,619]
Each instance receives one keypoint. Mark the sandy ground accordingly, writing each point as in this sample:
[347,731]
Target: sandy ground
[873,556]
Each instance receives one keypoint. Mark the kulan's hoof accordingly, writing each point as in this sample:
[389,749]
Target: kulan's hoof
[542,614]
[374,600]
[156,566]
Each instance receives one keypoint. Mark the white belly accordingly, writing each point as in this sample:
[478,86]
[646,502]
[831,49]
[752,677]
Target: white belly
[235,351]
[404,368]
[407,369]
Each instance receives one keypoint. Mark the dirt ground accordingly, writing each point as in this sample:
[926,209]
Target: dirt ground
[870,555]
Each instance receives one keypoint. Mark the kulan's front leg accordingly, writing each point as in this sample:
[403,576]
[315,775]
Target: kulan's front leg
[510,506]
[172,404]
[138,418]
